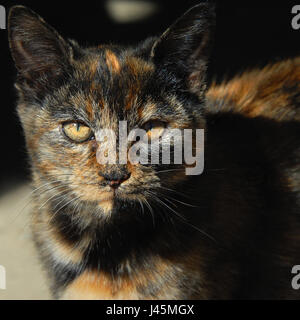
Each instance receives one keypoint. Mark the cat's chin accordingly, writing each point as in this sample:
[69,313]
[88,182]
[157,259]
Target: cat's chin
[109,199]
[106,206]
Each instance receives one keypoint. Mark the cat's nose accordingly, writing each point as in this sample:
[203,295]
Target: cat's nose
[114,179]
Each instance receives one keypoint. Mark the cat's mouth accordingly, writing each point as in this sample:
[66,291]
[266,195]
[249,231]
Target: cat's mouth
[109,196]
[112,193]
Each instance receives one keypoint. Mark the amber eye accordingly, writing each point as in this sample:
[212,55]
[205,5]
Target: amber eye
[77,131]
[154,128]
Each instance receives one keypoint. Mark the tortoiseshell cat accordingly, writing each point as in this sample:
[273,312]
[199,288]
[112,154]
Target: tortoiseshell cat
[151,231]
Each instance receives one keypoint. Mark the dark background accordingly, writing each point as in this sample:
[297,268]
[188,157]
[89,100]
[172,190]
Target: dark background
[249,33]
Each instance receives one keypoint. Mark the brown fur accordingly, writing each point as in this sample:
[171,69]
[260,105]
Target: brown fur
[266,92]
[232,232]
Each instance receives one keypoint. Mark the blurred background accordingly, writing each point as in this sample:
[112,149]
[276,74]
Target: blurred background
[249,34]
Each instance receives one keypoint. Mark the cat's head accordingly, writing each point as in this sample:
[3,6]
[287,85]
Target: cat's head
[67,93]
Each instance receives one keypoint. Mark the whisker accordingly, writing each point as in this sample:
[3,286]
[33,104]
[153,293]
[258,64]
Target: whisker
[176,192]
[43,191]
[55,195]
[151,211]
[181,202]
[63,206]
[170,170]
[142,206]
[184,220]
[31,200]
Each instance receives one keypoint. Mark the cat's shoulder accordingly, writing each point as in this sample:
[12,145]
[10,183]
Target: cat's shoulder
[271,92]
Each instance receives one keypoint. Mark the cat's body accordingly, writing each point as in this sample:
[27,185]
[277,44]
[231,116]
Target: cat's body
[232,232]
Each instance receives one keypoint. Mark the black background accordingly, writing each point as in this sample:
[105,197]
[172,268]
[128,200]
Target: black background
[249,33]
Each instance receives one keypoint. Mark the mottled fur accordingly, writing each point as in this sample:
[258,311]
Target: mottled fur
[232,232]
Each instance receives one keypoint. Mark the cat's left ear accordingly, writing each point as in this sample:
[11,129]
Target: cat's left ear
[184,48]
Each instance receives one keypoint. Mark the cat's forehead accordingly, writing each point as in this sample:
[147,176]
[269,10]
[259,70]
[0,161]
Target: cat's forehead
[111,78]
[107,66]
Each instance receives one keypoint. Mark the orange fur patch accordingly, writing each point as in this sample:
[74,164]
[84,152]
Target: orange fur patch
[264,92]
[112,61]
[99,286]
[89,109]
[93,67]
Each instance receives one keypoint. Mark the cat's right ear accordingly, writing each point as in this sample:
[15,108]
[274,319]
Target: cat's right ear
[184,48]
[37,49]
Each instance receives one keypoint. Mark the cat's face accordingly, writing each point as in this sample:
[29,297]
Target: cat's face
[68,94]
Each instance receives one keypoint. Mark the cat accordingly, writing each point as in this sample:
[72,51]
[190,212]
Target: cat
[139,231]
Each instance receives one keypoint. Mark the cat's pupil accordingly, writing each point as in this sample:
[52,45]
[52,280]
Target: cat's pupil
[149,126]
